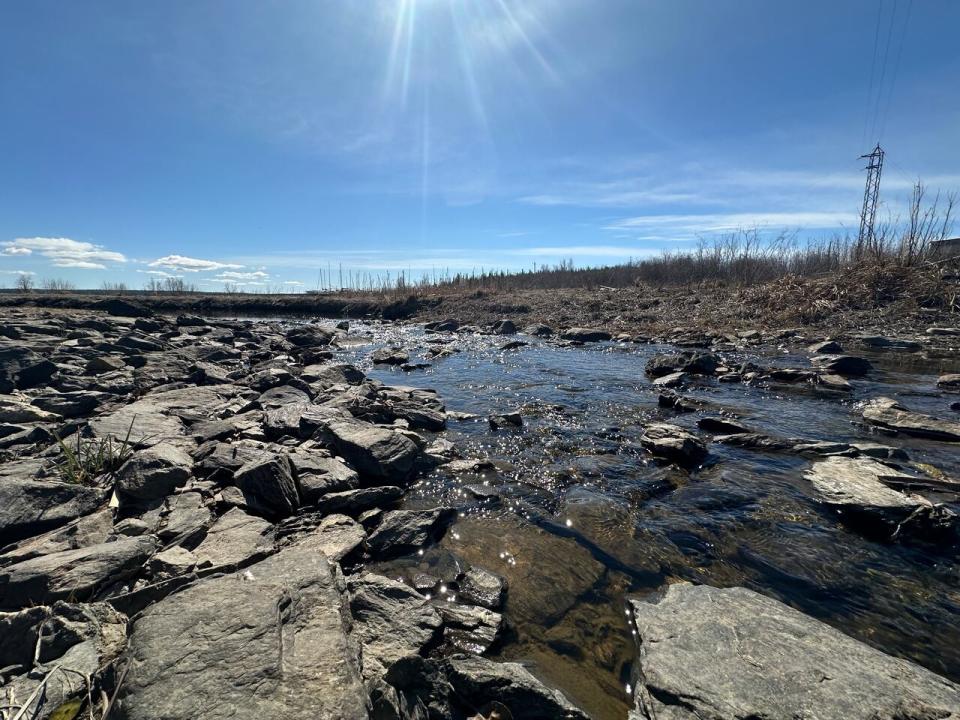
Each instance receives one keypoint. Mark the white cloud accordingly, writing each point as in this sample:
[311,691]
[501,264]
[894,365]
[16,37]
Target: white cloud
[189,264]
[292,282]
[160,273]
[64,252]
[17,272]
[231,275]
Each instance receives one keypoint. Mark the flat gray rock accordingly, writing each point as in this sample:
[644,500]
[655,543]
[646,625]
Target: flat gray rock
[267,642]
[391,619]
[734,654]
[30,507]
[888,413]
[233,540]
[403,531]
[673,443]
[75,574]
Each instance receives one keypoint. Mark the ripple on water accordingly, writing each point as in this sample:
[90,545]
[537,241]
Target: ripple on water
[577,517]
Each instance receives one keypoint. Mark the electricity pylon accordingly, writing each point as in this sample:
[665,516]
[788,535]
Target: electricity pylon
[870,195]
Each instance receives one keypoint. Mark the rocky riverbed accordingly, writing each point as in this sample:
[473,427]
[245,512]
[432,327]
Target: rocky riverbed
[213,518]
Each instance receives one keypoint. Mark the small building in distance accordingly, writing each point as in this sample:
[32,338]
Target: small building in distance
[947,248]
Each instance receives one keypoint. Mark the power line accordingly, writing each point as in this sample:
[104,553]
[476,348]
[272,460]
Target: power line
[873,68]
[883,68]
[896,71]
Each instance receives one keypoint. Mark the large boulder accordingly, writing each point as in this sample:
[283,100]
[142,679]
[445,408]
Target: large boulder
[30,507]
[733,654]
[318,475]
[75,574]
[268,642]
[307,336]
[235,540]
[888,413]
[22,368]
[375,452]
[153,473]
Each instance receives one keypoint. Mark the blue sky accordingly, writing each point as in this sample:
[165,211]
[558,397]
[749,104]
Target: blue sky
[261,142]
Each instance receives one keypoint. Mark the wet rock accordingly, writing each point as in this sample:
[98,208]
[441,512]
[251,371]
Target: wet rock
[476,681]
[827,347]
[354,502]
[390,356]
[442,326]
[403,531]
[757,441]
[307,336]
[469,629]
[950,381]
[538,330]
[673,443]
[674,379]
[514,345]
[944,331]
[30,507]
[391,619]
[511,419]
[694,362]
[375,452]
[585,335]
[888,413]
[268,486]
[885,343]
[482,587]
[790,375]
[732,654]
[270,641]
[855,489]
[671,401]
[75,574]
[722,426]
[833,382]
[844,365]
[504,327]
[235,540]
[153,473]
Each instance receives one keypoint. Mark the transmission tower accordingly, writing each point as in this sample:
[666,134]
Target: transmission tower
[870,195]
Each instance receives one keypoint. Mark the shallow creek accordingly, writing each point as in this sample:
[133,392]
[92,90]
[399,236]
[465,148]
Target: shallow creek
[576,516]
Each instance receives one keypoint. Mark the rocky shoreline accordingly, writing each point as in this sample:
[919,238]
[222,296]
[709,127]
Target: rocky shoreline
[192,511]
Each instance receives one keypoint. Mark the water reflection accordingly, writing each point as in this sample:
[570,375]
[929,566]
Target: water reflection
[576,516]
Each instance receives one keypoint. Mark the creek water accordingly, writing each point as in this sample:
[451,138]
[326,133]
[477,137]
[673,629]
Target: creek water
[577,516]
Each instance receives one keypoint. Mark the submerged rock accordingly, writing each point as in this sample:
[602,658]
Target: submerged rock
[950,381]
[733,654]
[482,587]
[673,443]
[888,413]
[476,681]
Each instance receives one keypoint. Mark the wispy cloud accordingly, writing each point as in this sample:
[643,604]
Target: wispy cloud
[595,251]
[64,252]
[232,275]
[182,263]
[711,223]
